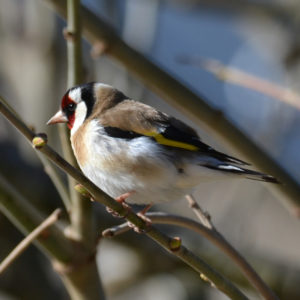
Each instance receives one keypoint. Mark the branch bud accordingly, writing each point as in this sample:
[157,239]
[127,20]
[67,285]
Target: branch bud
[82,190]
[39,141]
[206,279]
[175,243]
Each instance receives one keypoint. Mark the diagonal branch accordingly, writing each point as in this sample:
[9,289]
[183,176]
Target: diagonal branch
[26,242]
[210,234]
[172,245]
[26,217]
[244,79]
[49,169]
[57,181]
[201,215]
[223,244]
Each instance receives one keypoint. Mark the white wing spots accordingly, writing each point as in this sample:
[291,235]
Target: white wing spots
[230,168]
[75,94]
[80,114]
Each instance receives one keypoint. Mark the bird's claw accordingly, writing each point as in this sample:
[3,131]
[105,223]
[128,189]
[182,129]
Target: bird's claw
[116,214]
[121,199]
[145,219]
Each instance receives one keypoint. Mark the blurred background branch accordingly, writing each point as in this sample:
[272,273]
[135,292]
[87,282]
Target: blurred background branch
[25,243]
[244,79]
[82,224]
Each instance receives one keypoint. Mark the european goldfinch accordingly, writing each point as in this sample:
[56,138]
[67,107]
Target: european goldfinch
[129,148]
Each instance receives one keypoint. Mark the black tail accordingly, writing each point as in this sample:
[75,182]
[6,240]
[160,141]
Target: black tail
[260,176]
[249,174]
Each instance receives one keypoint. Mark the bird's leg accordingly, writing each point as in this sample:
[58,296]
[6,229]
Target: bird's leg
[141,214]
[121,199]
[145,209]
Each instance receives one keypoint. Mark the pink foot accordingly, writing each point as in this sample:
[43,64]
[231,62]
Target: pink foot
[141,214]
[121,199]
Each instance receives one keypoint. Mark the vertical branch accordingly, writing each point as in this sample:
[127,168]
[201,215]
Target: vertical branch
[56,180]
[80,213]
[73,35]
[83,283]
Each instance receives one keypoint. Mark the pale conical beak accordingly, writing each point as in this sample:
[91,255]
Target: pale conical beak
[59,117]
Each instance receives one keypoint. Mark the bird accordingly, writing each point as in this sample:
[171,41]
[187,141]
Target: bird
[138,154]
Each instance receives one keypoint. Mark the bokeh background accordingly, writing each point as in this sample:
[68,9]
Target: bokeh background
[257,37]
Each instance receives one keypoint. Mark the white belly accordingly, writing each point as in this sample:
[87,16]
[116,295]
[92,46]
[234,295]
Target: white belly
[139,165]
[118,166]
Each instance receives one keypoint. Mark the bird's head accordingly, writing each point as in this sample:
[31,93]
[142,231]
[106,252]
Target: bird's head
[81,101]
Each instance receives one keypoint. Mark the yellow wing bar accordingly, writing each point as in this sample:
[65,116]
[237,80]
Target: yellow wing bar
[167,142]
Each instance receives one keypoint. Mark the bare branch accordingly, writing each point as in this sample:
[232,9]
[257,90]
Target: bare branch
[57,181]
[73,37]
[26,217]
[242,78]
[81,211]
[25,243]
[202,216]
[166,242]
[210,234]
[225,246]
[48,167]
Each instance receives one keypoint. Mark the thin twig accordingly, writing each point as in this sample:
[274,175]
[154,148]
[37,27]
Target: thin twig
[223,244]
[10,108]
[202,216]
[193,105]
[210,234]
[223,284]
[57,181]
[26,217]
[73,37]
[82,227]
[25,243]
[242,78]
[49,169]
[119,229]
[81,212]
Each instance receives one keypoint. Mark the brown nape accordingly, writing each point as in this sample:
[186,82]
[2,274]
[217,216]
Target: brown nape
[106,98]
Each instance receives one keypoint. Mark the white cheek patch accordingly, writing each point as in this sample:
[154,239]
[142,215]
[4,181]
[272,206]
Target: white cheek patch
[80,114]
[75,95]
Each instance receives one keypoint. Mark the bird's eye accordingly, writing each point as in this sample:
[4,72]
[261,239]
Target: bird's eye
[71,106]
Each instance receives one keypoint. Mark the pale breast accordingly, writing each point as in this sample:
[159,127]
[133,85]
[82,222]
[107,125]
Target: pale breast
[120,165]
[140,156]
[79,144]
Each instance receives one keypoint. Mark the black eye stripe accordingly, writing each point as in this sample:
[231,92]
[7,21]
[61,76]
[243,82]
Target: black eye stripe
[69,109]
[71,106]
